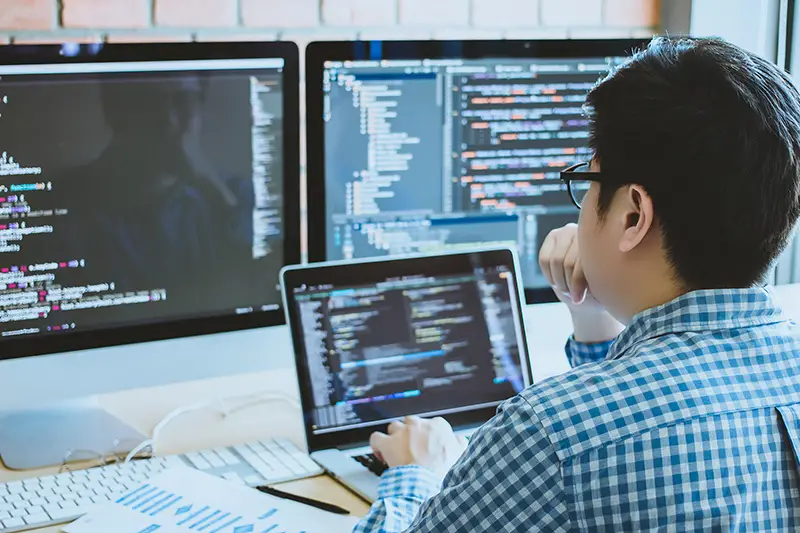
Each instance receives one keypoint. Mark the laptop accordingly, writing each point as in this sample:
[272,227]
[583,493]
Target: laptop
[379,339]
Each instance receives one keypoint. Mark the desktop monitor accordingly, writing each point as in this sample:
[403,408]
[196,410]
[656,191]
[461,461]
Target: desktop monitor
[439,145]
[147,192]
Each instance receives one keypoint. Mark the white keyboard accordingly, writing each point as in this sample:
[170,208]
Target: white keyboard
[57,499]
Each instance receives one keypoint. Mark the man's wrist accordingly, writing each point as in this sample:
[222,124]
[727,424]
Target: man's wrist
[409,481]
[594,326]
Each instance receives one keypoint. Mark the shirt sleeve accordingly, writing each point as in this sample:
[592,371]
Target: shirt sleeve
[401,493]
[581,353]
[509,472]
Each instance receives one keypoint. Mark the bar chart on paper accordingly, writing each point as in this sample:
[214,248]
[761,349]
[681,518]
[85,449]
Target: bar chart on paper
[184,500]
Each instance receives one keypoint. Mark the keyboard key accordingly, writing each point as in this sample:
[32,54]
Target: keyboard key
[173,461]
[213,459]
[279,474]
[84,502]
[35,509]
[55,499]
[257,447]
[65,514]
[4,515]
[52,508]
[31,485]
[309,464]
[372,463]
[286,444]
[62,480]
[197,460]
[261,467]
[35,519]
[38,501]
[242,449]
[228,457]
[15,513]
[13,522]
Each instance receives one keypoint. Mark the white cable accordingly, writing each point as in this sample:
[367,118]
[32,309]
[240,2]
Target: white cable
[257,398]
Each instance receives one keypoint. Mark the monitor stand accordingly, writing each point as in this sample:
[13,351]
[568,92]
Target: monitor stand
[70,432]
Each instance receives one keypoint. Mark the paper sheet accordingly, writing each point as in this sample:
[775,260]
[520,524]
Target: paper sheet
[183,500]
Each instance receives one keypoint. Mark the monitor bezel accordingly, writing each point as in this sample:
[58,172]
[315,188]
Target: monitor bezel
[359,272]
[317,53]
[96,53]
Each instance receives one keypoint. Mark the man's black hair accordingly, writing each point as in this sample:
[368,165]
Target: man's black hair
[712,133]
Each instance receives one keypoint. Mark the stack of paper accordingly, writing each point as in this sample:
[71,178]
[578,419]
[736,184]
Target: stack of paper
[184,500]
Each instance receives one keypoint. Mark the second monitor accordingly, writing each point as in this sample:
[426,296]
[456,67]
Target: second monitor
[440,145]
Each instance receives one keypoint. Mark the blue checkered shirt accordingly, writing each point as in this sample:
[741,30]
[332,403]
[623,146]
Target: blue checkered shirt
[689,421]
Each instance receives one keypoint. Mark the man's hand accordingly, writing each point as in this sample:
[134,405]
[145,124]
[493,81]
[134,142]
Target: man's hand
[560,262]
[414,441]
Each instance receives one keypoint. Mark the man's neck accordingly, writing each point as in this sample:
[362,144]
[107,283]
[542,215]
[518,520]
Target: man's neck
[647,295]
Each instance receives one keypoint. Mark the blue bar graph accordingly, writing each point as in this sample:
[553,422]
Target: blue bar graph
[217,520]
[205,519]
[267,514]
[223,526]
[193,515]
[183,510]
[157,503]
[132,494]
[149,499]
[141,495]
[167,505]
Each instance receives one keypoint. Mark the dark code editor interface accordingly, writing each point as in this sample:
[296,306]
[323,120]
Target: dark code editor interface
[431,155]
[420,344]
[131,194]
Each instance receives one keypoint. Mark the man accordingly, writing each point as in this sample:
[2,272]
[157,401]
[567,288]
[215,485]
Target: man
[690,419]
[160,215]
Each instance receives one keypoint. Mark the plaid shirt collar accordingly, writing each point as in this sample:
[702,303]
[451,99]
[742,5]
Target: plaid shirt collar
[700,311]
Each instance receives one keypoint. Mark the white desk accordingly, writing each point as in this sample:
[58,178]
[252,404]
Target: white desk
[548,327]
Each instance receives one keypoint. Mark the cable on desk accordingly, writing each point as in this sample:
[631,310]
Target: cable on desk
[257,399]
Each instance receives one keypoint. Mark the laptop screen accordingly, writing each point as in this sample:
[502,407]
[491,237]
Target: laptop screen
[429,336]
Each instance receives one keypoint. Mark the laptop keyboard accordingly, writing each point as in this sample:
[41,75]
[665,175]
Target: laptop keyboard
[372,463]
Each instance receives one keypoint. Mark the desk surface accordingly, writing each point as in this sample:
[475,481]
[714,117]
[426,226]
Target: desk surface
[262,419]
[143,408]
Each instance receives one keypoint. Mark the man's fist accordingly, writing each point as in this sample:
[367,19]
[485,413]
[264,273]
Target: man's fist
[560,262]
[414,441]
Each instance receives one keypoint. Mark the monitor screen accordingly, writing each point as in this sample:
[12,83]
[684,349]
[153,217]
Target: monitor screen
[431,337]
[139,192]
[426,155]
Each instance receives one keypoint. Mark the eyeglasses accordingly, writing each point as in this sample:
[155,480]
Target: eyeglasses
[578,179]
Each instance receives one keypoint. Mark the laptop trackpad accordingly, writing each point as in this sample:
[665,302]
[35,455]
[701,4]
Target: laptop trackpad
[349,472]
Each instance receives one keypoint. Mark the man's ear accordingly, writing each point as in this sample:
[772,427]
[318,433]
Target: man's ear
[638,217]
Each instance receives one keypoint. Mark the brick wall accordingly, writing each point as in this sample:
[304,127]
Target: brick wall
[305,20]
